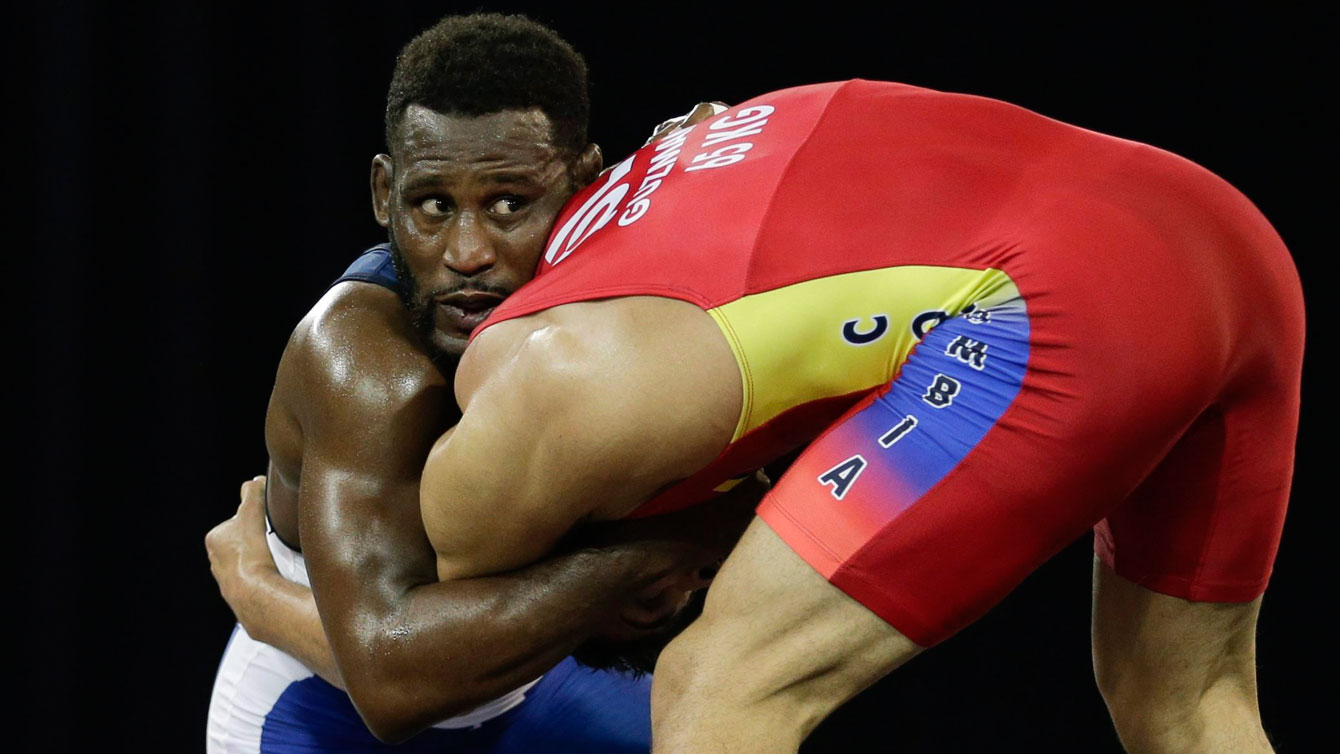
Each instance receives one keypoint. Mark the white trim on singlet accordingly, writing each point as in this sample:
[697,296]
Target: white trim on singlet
[253,675]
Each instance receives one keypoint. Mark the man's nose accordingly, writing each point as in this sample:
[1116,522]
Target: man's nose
[469,248]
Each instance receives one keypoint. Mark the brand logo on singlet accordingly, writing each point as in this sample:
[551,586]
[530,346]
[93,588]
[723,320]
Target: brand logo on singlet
[593,215]
[720,147]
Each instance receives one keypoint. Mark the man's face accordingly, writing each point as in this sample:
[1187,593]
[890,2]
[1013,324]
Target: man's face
[468,201]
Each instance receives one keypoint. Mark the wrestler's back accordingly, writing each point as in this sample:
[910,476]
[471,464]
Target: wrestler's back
[822,182]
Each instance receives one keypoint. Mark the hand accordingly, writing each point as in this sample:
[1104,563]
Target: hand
[238,552]
[696,538]
[700,112]
[681,552]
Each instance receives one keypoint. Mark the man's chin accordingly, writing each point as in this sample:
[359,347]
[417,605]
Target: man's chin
[447,345]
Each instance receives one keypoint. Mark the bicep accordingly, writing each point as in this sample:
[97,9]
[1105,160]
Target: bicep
[562,430]
[521,467]
[360,526]
[490,498]
[363,539]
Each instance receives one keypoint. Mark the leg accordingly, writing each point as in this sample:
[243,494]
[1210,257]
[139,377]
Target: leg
[1177,586]
[918,509]
[1177,676]
[776,650]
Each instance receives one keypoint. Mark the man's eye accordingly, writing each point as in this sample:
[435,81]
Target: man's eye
[507,205]
[433,207]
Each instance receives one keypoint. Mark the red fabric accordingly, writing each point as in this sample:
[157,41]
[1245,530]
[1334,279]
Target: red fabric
[1166,331]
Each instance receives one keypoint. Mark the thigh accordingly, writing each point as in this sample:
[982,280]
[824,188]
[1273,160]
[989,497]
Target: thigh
[1185,645]
[930,500]
[1205,525]
[776,650]
[252,679]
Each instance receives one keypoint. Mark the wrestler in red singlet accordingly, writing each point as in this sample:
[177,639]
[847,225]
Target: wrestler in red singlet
[1002,330]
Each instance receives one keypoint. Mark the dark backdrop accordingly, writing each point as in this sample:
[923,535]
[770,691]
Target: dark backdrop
[189,178]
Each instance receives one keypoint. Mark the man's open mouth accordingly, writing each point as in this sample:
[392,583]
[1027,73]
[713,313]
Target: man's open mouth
[465,310]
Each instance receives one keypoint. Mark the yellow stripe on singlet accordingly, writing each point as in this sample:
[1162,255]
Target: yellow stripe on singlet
[803,342]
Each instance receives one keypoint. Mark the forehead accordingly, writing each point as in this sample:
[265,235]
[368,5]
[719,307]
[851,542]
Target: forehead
[512,141]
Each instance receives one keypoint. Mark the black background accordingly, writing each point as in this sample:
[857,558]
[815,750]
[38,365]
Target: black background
[187,179]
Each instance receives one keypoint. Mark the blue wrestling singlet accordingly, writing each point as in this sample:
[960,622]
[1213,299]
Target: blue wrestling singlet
[265,701]
[372,266]
[571,710]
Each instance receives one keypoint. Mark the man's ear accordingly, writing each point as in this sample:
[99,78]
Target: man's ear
[383,172]
[586,168]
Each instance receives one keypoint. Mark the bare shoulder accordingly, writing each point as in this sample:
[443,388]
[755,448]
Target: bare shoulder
[600,346]
[645,386]
[356,349]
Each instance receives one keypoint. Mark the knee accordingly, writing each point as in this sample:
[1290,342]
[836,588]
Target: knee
[1142,713]
[1151,719]
[1146,728]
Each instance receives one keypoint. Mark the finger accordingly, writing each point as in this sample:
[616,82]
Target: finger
[253,501]
[212,539]
[258,478]
[670,123]
[701,112]
[662,130]
[679,121]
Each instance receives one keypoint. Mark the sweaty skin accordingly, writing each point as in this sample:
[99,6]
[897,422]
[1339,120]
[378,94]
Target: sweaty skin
[559,401]
[410,650]
[560,427]
[358,403]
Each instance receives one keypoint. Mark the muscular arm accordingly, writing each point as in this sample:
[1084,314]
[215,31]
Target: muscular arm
[271,608]
[412,650]
[575,414]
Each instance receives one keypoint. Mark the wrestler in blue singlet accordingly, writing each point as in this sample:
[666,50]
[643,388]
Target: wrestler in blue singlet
[266,701]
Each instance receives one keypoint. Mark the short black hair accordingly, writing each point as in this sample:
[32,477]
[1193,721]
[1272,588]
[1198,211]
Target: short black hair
[486,63]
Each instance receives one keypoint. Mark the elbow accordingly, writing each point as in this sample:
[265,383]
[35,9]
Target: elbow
[396,709]
[387,725]
[389,713]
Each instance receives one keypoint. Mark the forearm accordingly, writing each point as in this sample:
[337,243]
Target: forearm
[442,648]
[283,614]
[447,647]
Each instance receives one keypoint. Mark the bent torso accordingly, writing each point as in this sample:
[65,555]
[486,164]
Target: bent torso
[826,229]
